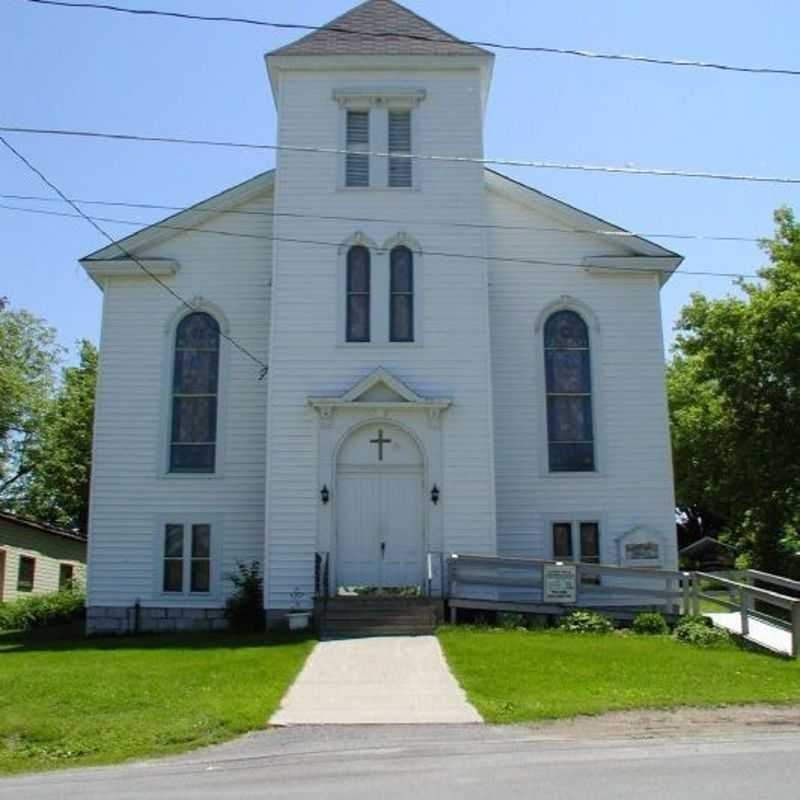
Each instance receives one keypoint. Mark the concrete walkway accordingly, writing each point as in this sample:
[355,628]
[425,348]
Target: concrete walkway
[380,680]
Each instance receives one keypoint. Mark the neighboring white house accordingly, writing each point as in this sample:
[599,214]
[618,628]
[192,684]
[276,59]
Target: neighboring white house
[457,362]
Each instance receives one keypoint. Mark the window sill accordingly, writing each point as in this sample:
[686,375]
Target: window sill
[595,475]
[378,345]
[191,476]
[390,189]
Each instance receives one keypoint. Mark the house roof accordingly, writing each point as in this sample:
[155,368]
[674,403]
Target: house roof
[703,544]
[26,522]
[643,254]
[175,224]
[368,29]
[111,260]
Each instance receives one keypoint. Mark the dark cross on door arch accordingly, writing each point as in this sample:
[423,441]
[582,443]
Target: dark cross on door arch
[380,441]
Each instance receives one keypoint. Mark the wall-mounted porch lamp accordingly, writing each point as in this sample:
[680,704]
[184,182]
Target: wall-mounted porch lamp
[324,495]
[435,494]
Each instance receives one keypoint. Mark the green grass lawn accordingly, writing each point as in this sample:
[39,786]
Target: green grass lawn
[76,701]
[520,676]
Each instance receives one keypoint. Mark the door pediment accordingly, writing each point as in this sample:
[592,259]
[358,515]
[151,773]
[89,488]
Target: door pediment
[380,389]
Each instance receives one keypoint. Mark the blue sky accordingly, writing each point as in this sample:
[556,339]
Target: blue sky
[97,70]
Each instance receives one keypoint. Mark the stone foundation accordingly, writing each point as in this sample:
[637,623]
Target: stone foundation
[112,620]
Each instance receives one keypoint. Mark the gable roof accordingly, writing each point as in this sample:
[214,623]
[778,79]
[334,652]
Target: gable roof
[26,522]
[378,20]
[174,224]
[574,218]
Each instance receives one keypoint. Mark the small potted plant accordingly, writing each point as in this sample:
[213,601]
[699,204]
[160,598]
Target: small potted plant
[299,618]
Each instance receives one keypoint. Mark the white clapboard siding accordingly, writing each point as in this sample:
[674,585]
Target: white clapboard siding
[634,483]
[129,488]
[305,358]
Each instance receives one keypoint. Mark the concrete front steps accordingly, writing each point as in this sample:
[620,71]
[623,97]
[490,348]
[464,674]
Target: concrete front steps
[376,615]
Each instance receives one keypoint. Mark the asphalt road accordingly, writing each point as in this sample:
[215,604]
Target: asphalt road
[464,762]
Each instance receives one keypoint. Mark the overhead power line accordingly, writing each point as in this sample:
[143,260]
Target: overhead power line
[389,34]
[619,234]
[264,367]
[507,162]
[337,245]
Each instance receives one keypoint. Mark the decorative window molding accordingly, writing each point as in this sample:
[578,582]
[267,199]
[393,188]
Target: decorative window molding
[571,304]
[401,294]
[195,388]
[378,97]
[381,120]
[568,386]
[171,327]
[381,292]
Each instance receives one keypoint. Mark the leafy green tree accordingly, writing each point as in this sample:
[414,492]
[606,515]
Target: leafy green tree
[58,487]
[734,388]
[29,356]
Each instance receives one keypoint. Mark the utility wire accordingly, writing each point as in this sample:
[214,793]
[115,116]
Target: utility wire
[128,254]
[202,207]
[563,51]
[337,245]
[560,165]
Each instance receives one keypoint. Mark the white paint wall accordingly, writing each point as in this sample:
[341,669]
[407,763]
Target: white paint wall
[634,482]
[304,356]
[130,492]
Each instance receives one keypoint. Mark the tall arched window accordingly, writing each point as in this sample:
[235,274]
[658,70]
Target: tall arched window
[569,393]
[401,295]
[195,380]
[358,290]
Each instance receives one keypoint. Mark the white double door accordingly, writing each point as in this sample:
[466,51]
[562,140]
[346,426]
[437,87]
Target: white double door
[379,528]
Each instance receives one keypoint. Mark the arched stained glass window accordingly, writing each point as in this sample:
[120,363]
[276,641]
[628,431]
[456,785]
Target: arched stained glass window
[570,430]
[401,295]
[195,380]
[358,294]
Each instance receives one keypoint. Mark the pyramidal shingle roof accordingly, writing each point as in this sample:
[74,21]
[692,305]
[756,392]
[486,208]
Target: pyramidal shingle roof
[378,27]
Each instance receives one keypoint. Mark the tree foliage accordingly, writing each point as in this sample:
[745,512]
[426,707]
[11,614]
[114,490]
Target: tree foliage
[734,391]
[29,357]
[45,423]
[58,488]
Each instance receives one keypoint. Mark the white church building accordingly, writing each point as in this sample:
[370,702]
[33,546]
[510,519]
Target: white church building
[458,363]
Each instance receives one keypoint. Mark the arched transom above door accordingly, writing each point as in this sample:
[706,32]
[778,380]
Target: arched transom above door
[379,444]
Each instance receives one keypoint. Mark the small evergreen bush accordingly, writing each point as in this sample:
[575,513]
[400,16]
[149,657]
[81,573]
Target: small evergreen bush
[40,610]
[699,631]
[244,609]
[586,622]
[650,623]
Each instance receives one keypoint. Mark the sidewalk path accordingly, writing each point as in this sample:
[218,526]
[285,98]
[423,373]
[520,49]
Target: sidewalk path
[379,680]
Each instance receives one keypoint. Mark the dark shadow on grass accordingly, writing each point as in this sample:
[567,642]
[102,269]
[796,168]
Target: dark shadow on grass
[70,637]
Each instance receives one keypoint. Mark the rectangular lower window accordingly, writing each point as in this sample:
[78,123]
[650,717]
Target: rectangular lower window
[580,537]
[562,541]
[66,576]
[26,574]
[187,558]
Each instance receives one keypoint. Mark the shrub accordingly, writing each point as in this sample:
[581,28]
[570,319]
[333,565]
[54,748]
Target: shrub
[510,620]
[39,610]
[651,623]
[587,622]
[244,609]
[699,631]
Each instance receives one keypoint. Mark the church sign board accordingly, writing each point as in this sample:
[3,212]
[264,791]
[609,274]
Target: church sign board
[560,583]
